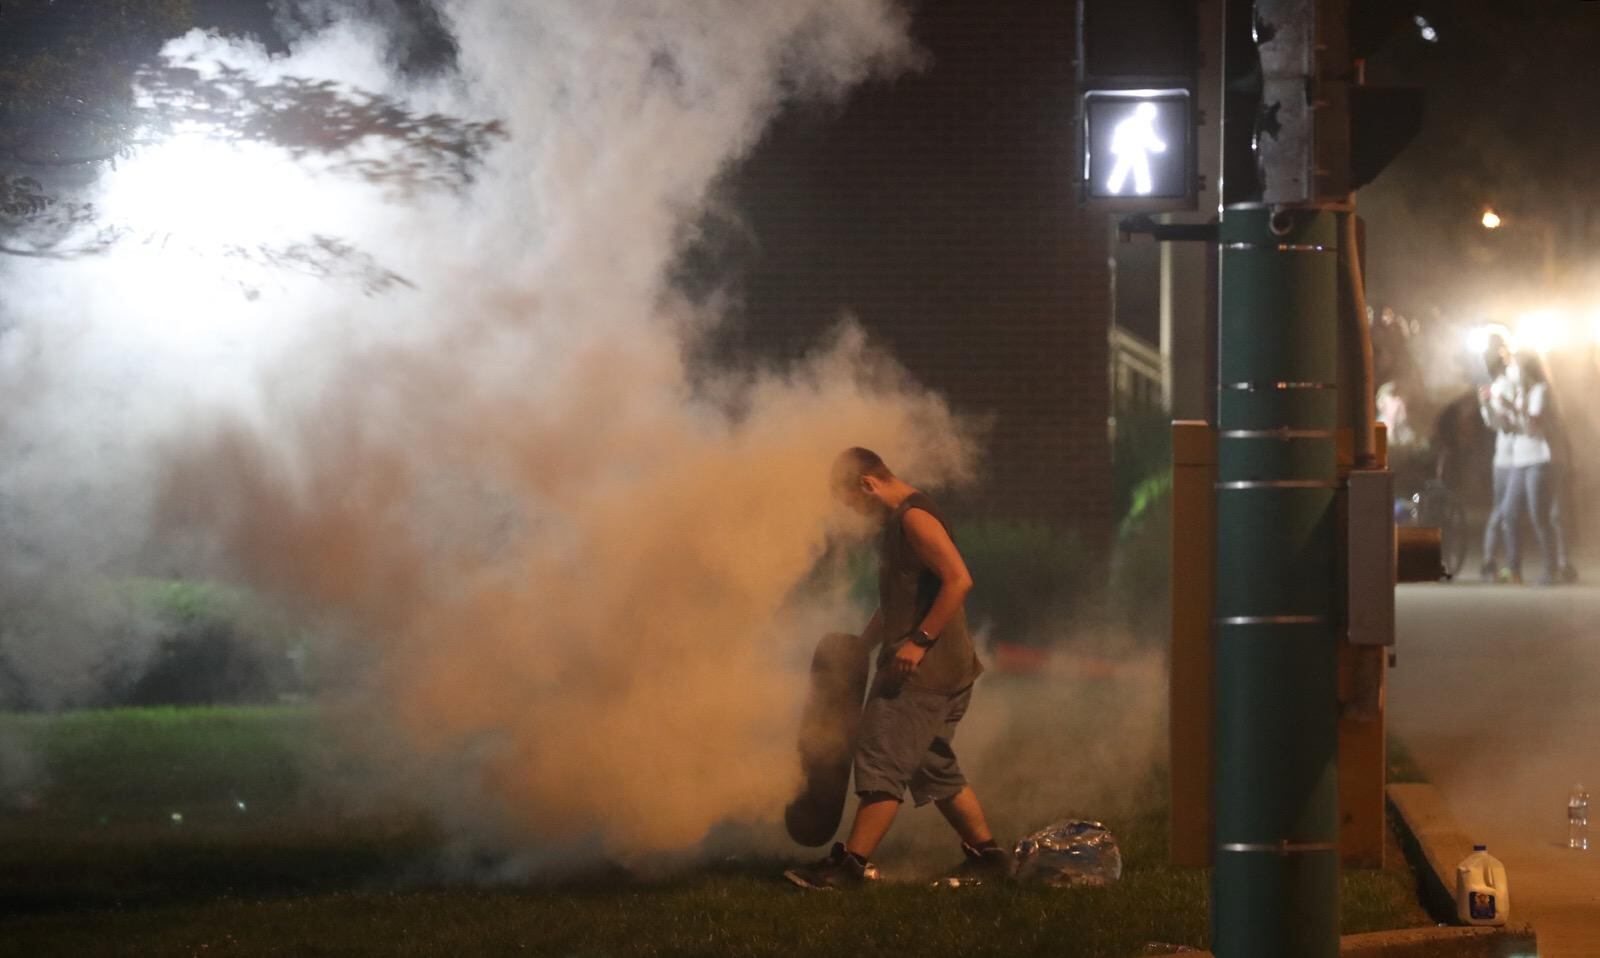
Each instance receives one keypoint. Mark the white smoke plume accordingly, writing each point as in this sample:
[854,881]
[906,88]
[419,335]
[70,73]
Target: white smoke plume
[569,557]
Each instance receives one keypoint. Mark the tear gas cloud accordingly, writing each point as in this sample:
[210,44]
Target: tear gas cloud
[567,557]
[564,571]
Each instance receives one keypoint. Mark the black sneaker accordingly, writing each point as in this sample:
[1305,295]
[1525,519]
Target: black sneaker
[991,866]
[840,871]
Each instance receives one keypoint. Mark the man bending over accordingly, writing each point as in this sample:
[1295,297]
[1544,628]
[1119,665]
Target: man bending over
[925,671]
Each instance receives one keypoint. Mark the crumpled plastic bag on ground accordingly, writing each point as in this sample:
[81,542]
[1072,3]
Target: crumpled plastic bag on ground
[1072,853]
[1069,854]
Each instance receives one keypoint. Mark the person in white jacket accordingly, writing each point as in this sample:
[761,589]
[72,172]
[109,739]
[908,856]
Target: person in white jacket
[1538,440]
[1494,406]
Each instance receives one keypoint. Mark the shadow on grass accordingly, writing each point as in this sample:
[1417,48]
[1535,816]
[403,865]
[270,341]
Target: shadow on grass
[60,867]
[57,869]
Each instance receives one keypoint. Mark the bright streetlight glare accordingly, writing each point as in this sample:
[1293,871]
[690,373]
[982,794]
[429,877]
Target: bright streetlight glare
[1426,29]
[202,219]
[1544,330]
[205,193]
[1478,338]
[1491,220]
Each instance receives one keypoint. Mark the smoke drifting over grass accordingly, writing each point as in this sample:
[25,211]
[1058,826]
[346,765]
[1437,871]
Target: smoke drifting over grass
[588,596]
[1084,740]
[567,558]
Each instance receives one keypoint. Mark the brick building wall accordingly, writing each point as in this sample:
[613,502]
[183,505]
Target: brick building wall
[940,209]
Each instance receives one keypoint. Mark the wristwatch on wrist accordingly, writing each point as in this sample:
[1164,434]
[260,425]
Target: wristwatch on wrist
[921,639]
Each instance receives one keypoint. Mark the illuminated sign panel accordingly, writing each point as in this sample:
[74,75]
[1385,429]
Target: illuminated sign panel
[1136,145]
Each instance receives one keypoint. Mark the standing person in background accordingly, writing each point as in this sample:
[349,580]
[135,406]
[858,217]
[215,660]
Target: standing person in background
[1391,352]
[1495,407]
[1538,437]
[1393,414]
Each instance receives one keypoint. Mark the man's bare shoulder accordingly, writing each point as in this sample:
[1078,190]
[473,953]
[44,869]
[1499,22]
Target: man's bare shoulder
[922,523]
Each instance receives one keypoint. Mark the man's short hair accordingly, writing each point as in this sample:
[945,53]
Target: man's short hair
[856,462]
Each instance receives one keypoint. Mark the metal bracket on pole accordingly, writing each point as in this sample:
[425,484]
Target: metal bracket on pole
[1166,232]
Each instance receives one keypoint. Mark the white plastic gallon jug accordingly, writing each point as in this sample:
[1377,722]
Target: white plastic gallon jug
[1483,896]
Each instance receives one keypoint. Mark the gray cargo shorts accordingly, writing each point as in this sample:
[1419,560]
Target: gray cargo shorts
[904,741]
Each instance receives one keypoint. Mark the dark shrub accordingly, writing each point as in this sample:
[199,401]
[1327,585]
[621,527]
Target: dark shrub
[217,646]
[210,663]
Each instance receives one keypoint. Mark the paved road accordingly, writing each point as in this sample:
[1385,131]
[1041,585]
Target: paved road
[1497,692]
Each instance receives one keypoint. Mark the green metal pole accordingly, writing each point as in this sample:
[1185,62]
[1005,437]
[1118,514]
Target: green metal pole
[1275,887]
[1275,884]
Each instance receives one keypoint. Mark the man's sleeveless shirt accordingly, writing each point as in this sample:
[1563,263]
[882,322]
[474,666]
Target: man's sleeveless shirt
[906,590]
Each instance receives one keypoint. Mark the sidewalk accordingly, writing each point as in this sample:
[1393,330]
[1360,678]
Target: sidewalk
[1497,694]
[1558,892]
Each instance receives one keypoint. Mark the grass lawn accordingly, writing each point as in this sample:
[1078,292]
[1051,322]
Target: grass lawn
[92,862]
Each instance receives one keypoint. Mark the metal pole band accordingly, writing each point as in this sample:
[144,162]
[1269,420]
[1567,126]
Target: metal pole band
[1277,434]
[1277,484]
[1282,247]
[1281,848]
[1271,620]
[1278,386]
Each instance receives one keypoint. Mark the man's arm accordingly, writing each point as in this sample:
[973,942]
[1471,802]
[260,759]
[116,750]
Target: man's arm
[1486,410]
[935,548]
[1496,409]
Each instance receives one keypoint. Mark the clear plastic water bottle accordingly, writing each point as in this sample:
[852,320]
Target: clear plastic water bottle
[1578,818]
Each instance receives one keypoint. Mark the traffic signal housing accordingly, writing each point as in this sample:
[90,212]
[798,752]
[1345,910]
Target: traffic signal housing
[1136,74]
[1320,133]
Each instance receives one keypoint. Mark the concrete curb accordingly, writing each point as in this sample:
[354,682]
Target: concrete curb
[1508,942]
[1512,941]
[1434,842]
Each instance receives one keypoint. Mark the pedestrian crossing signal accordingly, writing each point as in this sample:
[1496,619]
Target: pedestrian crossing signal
[1136,147]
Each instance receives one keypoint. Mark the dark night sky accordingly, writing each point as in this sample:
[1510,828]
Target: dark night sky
[1513,95]
[1513,121]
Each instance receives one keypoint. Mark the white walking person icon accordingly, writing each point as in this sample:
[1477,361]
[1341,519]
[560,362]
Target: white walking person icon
[1132,142]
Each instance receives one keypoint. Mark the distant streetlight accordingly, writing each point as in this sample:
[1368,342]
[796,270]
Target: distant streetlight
[1523,231]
